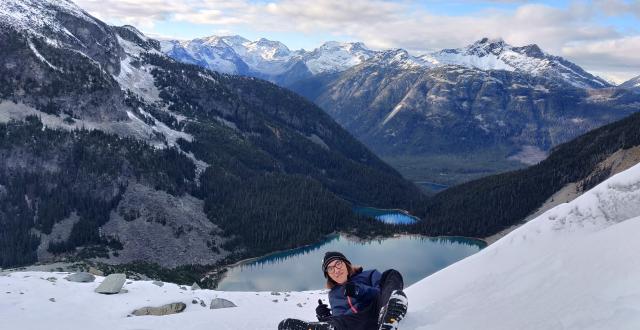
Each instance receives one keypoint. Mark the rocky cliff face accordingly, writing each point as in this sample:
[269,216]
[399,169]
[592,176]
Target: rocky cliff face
[403,110]
[396,111]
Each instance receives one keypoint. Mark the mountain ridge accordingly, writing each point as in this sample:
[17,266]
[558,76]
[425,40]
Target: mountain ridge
[632,83]
[332,56]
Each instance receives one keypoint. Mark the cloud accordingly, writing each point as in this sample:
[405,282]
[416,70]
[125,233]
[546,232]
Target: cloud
[617,59]
[619,7]
[146,13]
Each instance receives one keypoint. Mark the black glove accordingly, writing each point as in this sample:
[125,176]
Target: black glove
[322,311]
[350,289]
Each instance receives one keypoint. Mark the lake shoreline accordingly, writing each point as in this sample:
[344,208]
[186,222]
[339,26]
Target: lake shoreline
[301,266]
[351,237]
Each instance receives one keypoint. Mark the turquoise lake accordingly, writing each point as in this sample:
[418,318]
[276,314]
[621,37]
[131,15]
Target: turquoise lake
[300,269]
[390,216]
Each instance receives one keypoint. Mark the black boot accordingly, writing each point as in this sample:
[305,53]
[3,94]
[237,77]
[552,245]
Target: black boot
[293,324]
[394,311]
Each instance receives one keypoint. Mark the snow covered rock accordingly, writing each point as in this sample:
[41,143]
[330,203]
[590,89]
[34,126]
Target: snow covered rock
[112,284]
[218,303]
[168,309]
[81,277]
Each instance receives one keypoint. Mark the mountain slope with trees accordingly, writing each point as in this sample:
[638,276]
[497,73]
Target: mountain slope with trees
[486,206]
[114,133]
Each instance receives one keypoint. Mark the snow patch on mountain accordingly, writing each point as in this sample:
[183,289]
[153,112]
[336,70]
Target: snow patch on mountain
[41,58]
[134,127]
[137,78]
[35,16]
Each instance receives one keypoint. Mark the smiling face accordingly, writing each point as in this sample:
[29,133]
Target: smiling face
[338,271]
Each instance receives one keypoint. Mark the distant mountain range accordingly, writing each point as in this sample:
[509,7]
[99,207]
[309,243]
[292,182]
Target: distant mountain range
[446,116]
[272,60]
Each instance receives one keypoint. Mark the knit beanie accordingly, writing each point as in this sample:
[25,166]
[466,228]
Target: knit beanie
[331,256]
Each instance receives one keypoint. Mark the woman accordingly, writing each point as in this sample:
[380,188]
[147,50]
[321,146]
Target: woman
[359,299]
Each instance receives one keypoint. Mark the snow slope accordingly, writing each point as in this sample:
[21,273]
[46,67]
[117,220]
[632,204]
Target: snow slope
[39,15]
[574,267]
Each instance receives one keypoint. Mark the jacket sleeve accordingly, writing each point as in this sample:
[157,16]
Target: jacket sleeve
[369,292]
[337,302]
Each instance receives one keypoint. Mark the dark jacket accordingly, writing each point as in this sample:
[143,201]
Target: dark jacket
[368,288]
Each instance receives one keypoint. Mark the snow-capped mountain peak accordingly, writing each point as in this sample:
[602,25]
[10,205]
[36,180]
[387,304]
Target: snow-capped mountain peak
[266,49]
[333,56]
[631,83]
[234,40]
[486,46]
[496,54]
[398,58]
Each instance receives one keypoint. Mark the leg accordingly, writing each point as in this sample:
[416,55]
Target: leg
[366,319]
[391,281]
[392,301]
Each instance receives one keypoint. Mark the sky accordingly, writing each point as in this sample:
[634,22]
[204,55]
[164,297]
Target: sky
[602,36]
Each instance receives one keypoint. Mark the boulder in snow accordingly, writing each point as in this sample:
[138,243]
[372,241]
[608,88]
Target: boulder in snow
[195,286]
[81,277]
[158,283]
[168,309]
[221,303]
[112,284]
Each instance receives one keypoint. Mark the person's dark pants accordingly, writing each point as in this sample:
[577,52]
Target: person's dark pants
[367,319]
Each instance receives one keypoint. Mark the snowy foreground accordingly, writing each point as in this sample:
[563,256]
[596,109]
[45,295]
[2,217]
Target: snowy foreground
[575,267]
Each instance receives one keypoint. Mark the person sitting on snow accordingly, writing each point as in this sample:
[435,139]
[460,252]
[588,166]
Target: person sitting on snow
[359,299]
